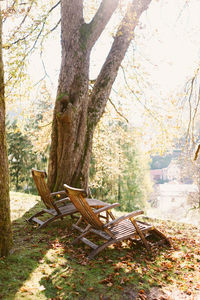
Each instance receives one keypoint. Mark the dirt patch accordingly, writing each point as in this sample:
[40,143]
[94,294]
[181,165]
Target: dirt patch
[158,294]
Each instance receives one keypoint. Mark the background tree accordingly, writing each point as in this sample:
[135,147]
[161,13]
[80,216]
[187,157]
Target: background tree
[28,142]
[77,110]
[22,158]
[119,171]
[5,223]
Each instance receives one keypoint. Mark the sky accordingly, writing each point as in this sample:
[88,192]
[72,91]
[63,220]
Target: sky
[165,50]
[168,44]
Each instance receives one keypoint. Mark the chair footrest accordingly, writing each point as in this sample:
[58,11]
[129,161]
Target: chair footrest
[89,243]
[38,221]
[50,211]
[77,228]
[102,234]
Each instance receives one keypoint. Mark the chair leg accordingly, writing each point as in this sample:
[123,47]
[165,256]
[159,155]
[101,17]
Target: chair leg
[140,233]
[49,221]
[159,234]
[86,231]
[44,224]
[40,213]
[100,248]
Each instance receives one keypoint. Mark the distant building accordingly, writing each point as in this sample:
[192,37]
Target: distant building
[172,172]
[158,175]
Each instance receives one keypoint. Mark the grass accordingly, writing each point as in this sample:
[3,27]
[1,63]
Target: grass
[44,264]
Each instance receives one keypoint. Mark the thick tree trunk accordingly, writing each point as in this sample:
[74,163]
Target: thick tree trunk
[78,111]
[5,223]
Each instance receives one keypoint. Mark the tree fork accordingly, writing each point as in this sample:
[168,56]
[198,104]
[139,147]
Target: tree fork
[77,114]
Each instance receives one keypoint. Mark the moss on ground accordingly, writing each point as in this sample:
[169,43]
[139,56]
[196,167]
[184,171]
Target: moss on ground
[44,264]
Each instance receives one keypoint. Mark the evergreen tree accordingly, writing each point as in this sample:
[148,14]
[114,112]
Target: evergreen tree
[21,158]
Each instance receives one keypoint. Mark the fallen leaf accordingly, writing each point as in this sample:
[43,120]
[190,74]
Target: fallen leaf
[59,287]
[23,290]
[109,284]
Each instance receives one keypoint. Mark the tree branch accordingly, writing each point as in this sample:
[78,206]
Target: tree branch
[195,113]
[190,107]
[23,20]
[152,114]
[108,73]
[99,21]
[197,152]
[117,111]
[43,20]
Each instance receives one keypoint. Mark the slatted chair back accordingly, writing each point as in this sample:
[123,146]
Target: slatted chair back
[77,197]
[43,190]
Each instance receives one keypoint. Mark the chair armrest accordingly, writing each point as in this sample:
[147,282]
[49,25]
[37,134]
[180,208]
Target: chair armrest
[63,200]
[58,193]
[118,220]
[105,208]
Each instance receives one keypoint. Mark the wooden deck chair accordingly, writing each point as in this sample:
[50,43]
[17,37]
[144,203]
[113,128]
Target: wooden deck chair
[122,228]
[55,208]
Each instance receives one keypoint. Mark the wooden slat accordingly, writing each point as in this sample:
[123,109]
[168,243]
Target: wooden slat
[38,221]
[78,199]
[77,228]
[122,218]
[50,211]
[126,228]
[89,243]
[102,234]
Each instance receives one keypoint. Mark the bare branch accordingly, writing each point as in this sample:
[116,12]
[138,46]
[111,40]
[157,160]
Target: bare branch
[54,28]
[22,22]
[99,21]
[192,118]
[45,125]
[53,7]
[190,107]
[43,21]
[108,73]
[118,112]
[9,9]
[195,113]
[197,152]
[144,105]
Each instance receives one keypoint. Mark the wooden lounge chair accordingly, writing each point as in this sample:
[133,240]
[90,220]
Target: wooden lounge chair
[123,228]
[55,208]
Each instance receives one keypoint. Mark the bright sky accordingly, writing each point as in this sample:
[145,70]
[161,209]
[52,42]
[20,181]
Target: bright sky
[166,46]
[174,39]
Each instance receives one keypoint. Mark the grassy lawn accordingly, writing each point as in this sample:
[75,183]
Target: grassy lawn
[44,264]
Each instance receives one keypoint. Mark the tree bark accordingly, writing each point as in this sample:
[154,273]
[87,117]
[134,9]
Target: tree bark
[78,110]
[5,223]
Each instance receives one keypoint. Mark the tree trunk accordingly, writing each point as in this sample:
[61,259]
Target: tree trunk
[5,223]
[78,110]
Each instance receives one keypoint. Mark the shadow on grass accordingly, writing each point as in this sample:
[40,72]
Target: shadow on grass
[29,248]
[106,277]
[44,265]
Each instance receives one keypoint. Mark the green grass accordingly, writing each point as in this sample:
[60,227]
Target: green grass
[44,264]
